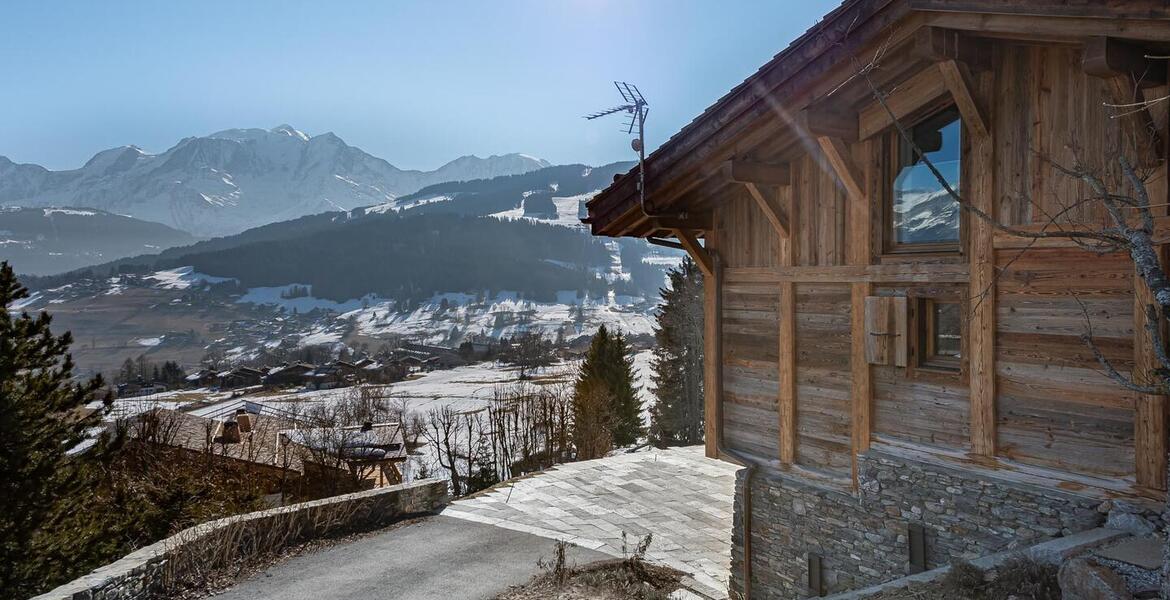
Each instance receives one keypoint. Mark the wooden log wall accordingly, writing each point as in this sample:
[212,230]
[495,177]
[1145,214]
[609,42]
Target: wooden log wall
[1029,390]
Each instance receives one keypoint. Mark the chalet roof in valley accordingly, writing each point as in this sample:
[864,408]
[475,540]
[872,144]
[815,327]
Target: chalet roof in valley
[814,70]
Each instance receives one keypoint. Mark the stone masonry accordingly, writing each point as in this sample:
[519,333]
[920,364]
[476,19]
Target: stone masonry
[862,537]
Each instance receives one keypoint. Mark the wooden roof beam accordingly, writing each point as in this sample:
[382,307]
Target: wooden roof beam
[692,222]
[1108,57]
[1127,71]
[743,171]
[771,210]
[754,176]
[698,253]
[956,55]
[909,96]
[938,44]
[830,122]
[837,154]
[959,83]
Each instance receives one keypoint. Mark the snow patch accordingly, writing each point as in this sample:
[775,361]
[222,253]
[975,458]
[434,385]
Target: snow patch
[183,278]
[69,211]
[277,296]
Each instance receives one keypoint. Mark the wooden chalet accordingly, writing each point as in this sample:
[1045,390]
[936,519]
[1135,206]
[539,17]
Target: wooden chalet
[288,375]
[906,381]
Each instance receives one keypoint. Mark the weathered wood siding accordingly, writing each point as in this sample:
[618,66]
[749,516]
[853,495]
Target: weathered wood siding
[820,221]
[1047,107]
[746,238]
[1055,407]
[823,377]
[922,406]
[750,362]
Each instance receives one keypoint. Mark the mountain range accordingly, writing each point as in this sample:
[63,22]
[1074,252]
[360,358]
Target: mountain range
[236,179]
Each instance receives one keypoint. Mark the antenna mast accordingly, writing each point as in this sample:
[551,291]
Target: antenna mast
[636,108]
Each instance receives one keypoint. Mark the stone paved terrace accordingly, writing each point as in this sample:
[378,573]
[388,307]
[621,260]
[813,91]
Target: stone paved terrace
[679,495]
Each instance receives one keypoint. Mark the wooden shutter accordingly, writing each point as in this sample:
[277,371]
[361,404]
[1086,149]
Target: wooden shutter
[886,339]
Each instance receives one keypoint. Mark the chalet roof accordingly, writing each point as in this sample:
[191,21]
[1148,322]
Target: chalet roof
[293,368]
[808,58]
[261,445]
[380,441]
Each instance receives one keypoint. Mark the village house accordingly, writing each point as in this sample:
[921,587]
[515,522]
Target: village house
[283,453]
[903,376]
[203,378]
[240,377]
[288,375]
[136,389]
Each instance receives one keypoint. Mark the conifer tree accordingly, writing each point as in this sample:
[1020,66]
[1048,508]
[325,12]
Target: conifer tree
[677,418]
[42,417]
[610,365]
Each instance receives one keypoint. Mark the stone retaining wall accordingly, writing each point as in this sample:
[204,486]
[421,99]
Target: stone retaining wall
[862,537]
[151,568]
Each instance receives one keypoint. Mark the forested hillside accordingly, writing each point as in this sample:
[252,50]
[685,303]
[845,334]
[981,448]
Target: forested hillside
[413,257]
[43,241]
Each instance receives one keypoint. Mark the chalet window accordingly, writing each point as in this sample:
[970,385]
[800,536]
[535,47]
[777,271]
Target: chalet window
[921,215]
[940,333]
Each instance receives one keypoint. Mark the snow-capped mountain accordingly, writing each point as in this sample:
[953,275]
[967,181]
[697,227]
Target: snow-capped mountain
[235,179]
[927,216]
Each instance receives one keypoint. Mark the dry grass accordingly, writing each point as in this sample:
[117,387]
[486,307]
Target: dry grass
[201,561]
[1018,579]
[630,578]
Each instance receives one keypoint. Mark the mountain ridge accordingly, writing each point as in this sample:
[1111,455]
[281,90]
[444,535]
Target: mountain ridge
[236,179]
[43,241]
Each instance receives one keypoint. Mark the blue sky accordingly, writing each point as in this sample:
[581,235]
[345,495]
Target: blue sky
[415,83]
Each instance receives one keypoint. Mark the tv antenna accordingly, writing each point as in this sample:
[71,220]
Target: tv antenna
[636,109]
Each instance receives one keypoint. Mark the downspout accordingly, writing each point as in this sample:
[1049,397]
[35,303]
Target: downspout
[748,463]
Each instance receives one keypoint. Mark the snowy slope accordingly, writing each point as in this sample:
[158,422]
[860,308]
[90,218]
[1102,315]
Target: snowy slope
[235,179]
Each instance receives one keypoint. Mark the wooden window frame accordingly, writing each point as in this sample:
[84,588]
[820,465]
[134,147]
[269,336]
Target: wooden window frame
[891,142]
[924,323]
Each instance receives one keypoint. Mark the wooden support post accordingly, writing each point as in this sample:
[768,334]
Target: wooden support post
[1150,412]
[982,293]
[696,250]
[862,408]
[712,357]
[786,336]
[787,373]
[858,252]
[774,213]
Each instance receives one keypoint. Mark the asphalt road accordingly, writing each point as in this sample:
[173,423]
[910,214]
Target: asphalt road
[438,558]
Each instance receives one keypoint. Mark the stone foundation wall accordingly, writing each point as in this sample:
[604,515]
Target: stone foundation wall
[147,570]
[862,537]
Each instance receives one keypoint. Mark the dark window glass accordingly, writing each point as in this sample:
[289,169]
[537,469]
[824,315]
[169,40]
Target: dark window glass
[947,336]
[923,211]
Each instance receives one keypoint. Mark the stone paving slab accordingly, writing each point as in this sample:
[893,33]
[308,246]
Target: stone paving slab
[679,495]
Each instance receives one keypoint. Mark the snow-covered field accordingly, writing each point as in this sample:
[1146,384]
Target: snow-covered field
[467,388]
[448,317]
[568,211]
